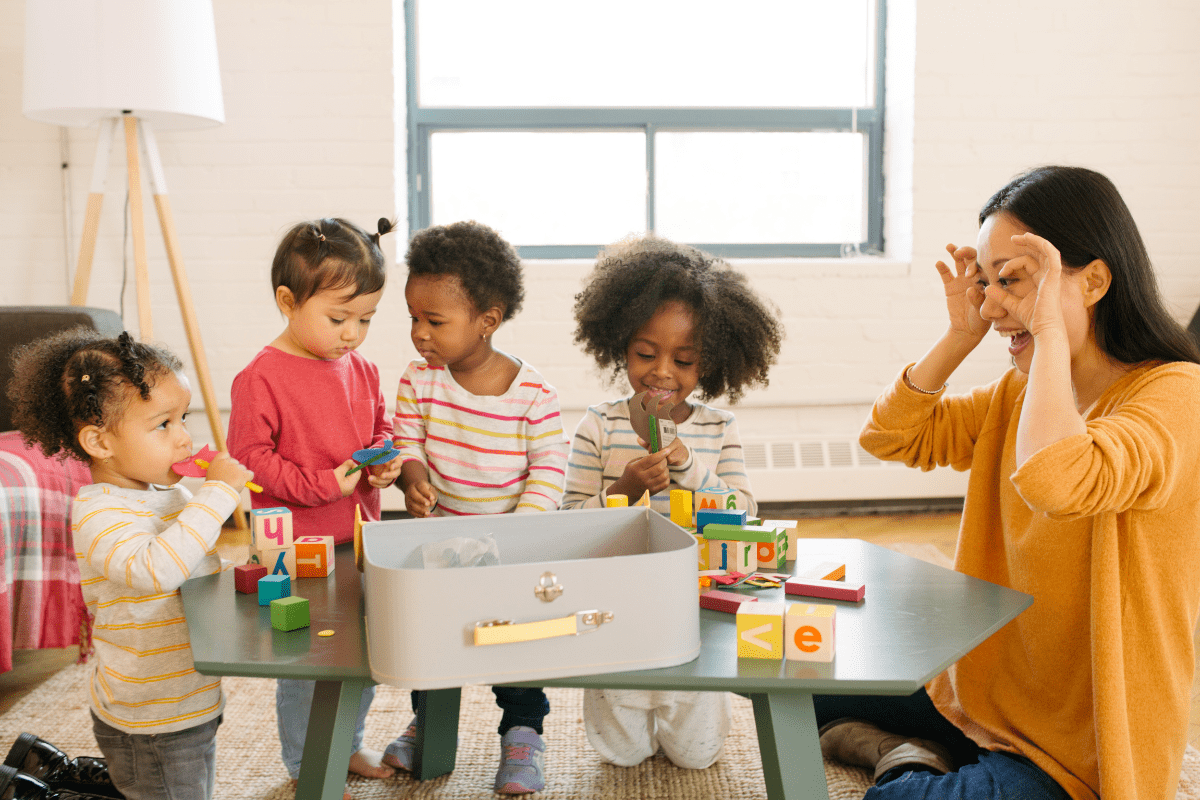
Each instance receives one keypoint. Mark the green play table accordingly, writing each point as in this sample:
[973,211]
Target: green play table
[915,621]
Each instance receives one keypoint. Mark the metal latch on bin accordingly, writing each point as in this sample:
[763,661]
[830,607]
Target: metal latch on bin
[505,631]
[548,588]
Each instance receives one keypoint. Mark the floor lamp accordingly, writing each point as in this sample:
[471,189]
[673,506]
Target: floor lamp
[141,66]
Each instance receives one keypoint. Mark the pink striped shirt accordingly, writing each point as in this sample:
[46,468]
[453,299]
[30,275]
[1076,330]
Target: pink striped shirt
[485,454]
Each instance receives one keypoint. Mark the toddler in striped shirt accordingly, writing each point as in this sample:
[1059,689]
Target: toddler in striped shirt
[119,406]
[671,319]
[479,433]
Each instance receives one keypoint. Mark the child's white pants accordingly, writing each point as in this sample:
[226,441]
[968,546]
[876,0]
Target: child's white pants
[627,726]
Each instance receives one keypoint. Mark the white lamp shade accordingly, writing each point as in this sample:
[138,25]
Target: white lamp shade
[90,59]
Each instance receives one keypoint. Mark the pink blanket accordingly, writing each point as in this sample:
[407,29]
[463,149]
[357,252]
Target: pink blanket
[41,604]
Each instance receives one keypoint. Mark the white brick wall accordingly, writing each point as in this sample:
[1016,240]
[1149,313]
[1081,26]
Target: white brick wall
[986,91]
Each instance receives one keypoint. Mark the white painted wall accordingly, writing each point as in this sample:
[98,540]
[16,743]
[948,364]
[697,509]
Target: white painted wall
[978,91]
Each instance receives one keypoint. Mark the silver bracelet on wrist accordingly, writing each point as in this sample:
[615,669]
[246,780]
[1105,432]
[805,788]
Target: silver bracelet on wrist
[916,388]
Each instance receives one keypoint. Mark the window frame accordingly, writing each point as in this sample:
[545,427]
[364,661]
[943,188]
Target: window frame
[423,122]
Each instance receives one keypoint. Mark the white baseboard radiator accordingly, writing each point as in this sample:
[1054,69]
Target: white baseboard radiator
[837,468]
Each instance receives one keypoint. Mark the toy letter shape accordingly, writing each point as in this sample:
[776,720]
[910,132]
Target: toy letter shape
[188,468]
[651,421]
[374,455]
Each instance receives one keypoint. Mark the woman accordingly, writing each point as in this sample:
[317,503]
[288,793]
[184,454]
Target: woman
[1084,461]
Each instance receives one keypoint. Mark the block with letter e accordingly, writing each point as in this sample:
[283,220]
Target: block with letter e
[314,556]
[270,528]
[808,632]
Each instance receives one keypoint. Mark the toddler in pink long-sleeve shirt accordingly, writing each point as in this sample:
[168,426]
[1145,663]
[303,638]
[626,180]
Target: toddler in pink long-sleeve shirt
[304,404]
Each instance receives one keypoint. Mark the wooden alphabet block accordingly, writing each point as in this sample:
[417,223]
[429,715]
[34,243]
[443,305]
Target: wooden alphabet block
[270,527]
[701,552]
[760,630]
[273,587]
[681,507]
[790,526]
[716,498]
[828,590]
[808,632]
[616,501]
[245,577]
[728,602]
[314,556]
[719,516]
[277,560]
[731,555]
[824,571]
[772,554]
[289,613]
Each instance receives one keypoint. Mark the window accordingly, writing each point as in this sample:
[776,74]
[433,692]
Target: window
[748,129]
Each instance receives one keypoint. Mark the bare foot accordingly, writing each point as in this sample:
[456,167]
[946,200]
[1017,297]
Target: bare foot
[345,795]
[369,764]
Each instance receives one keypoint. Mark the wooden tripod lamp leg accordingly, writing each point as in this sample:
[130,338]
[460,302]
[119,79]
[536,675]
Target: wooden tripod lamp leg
[137,225]
[91,219]
[183,291]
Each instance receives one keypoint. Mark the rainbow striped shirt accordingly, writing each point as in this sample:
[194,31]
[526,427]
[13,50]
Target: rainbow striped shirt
[485,455]
[135,548]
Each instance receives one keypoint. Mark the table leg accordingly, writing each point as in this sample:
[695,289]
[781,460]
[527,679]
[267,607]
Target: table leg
[437,733]
[790,748]
[327,743]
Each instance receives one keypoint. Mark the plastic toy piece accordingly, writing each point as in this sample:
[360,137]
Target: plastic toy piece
[373,455]
[325,633]
[728,602]
[314,556]
[808,632]
[721,516]
[716,498]
[828,590]
[245,577]
[289,613]
[273,587]
[760,630]
[652,421]
[644,500]
[197,467]
[358,544]
[681,507]
[277,560]
[270,527]
[617,501]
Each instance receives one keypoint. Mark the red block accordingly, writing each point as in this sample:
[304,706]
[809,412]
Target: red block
[245,577]
[724,601]
[828,590]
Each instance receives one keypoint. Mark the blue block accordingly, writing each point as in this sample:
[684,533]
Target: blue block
[722,516]
[273,587]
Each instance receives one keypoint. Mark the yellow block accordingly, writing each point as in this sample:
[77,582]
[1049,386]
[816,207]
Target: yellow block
[617,501]
[681,507]
[760,630]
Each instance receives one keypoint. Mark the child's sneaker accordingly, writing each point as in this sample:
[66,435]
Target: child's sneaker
[522,768]
[400,753]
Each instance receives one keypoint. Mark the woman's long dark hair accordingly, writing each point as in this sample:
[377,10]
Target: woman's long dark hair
[1081,213]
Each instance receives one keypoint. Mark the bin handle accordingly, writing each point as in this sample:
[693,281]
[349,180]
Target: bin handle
[505,631]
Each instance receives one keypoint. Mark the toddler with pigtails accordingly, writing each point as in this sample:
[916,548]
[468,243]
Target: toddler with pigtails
[119,406]
[672,320]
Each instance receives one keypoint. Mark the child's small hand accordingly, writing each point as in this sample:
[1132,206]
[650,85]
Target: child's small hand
[420,498]
[649,473]
[677,452]
[227,469]
[384,475]
[347,482]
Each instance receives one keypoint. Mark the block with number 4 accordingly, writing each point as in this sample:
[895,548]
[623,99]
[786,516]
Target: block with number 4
[808,632]
[270,527]
[314,556]
[760,630]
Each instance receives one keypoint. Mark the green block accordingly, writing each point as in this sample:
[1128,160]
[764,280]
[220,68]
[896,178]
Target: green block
[289,613]
[741,533]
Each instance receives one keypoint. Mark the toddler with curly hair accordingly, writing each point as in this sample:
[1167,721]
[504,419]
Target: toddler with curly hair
[672,320]
[479,432]
[119,406]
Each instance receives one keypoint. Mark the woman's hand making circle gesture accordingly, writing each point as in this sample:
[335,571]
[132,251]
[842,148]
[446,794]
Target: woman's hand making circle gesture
[963,295]
[1037,306]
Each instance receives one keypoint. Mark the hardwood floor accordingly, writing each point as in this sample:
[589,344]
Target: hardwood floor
[940,530]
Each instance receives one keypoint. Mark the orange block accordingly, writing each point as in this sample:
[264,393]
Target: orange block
[314,556]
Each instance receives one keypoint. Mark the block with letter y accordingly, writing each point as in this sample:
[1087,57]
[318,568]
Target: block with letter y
[270,527]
